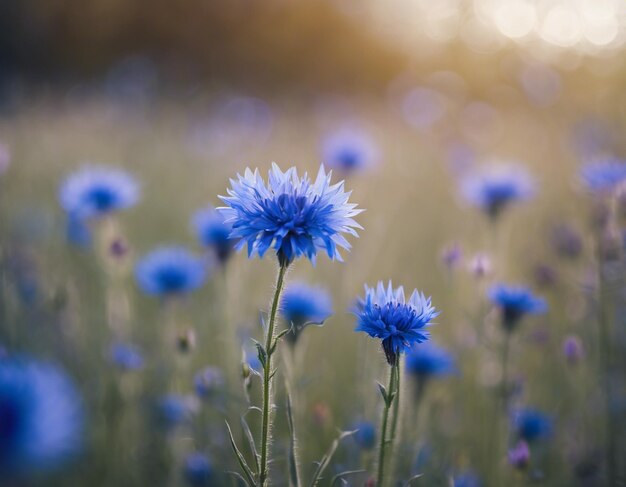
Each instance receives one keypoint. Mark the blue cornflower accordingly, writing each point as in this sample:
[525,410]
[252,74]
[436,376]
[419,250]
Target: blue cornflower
[386,314]
[302,304]
[429,361]
[365,435]
[94,191]
[41,417]
[208,381]
[126,356]
[493,188]
[604,175]
[169,271]
[515,302]
[349,150]
[532,424]
[467,479]
[213,232]
[198,470]
[294,216]
[175,409]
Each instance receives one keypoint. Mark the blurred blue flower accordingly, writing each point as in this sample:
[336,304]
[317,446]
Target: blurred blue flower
[349,150]
[212,232]
[467,479]
[603,175]
[175,409]
[519,455]
[429,361]
[573,349]
[208,381]
[198,470]
[365,436]
[97,190]
[532,424]
[292,215]
[41,417]
[126,356]
[77,231]
[302,304]
[399,323]
[515,302]
[493,188]
[170,271]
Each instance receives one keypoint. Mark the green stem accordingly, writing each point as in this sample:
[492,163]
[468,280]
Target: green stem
[605,358]
[396,404]
[391,390]
[504,389]
[267,372]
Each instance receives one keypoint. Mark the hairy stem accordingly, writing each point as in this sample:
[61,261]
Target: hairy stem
[267,372]
[391,390]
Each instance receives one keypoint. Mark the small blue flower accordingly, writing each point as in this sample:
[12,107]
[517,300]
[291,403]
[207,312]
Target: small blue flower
[493,188]
[515,302]
[169,271]
[198,470]
[429,361]
[175,409]
[41,417]
[213,232]
[94,191]
[208,381]
[126,356]
[77,231]
[467,479]
[302,304]
[349,150]
[399,323]
[532,424]
[365,436]
[604,175]
[292,215]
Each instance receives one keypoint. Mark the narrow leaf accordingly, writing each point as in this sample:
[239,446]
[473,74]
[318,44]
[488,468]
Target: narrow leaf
[325,461]
[294,479]
[251,444]
[240,458]
[347,473]
[239,476]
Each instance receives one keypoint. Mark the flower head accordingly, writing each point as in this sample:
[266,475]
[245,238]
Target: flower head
[208,381]
[126,356]
[174,409]
[349,150]
[213,232]
[292,215]
[198,470]
[602,176]
[429,361]
[573,349]
[302,304]
[365,435]
[169,271]
[531,424]
[519,455]
[515,302]
[494,188]
[398,322]
[94,191]
[41,417]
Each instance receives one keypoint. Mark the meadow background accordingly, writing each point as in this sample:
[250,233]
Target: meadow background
[185,95]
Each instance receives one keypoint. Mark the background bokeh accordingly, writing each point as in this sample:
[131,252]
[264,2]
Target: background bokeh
[186,94]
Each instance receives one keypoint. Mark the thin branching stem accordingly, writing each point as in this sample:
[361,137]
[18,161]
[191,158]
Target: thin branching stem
[267,377]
